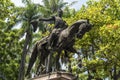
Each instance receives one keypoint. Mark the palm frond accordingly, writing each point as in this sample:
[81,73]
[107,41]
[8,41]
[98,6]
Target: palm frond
[46,3]
[27,2]
[72,3]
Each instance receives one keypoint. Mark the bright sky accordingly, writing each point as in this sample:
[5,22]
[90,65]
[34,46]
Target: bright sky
[76,6]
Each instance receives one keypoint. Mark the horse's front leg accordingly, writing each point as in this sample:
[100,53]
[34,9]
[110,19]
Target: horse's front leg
[68,60]
[71,49]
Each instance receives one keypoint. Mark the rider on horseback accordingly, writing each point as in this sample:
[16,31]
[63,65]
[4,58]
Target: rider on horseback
[60,24]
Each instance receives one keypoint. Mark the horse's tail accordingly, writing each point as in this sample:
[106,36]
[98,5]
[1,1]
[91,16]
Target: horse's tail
[32,59]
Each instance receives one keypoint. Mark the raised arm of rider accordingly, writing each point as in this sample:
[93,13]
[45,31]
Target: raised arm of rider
[47,19]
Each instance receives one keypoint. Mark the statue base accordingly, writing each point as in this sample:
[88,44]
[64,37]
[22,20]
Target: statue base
[56,76]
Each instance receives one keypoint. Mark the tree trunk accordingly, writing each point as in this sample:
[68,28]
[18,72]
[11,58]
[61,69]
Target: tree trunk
[89,75]
[115,74]
[23,57]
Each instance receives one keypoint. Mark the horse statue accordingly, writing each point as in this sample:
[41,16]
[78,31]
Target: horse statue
[66,40]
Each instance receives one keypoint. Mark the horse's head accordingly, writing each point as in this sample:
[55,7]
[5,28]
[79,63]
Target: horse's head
[83,28]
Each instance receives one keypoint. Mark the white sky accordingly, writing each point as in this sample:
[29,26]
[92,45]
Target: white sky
[76,6]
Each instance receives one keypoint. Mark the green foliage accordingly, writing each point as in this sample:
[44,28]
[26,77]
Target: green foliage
[10,51]
[10,47]
[100,47]
[6,8]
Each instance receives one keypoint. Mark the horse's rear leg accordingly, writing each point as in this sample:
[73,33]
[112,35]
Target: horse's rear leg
[57,63]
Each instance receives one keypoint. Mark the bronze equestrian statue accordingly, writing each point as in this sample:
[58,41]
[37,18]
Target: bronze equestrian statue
[65,41]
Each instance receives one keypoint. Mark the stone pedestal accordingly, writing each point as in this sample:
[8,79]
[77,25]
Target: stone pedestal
[56,76]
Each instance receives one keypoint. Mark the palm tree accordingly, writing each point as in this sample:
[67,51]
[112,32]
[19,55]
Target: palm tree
[51,6]
[30,12]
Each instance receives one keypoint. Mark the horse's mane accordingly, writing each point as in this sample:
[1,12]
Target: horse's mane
[79,22]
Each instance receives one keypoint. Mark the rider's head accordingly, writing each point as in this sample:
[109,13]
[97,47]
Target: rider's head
[60,12]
